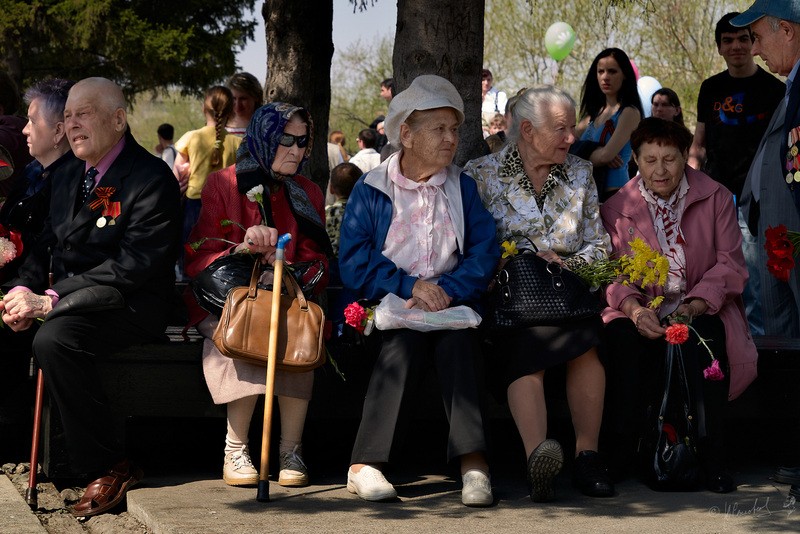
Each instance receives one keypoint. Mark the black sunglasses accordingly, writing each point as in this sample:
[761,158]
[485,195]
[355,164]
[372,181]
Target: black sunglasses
[288,140]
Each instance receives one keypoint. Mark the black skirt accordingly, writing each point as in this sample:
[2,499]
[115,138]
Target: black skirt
[522,352]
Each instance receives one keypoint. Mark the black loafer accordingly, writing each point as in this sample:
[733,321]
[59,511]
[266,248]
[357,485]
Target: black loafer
[720,482]
[590,475]
[787,475]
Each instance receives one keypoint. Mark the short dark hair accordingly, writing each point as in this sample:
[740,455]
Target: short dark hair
[248,84]
[661,132]
[389,84]
[343,177]
[369,137]
[9,94]
[724,26]
[672,98]
[486,73]
[167,131]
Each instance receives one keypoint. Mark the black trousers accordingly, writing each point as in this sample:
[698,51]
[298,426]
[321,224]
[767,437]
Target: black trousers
[404,357]
[67,349]
[635,381]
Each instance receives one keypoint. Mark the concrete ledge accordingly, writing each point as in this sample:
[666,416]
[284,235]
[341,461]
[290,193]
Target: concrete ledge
[15,515]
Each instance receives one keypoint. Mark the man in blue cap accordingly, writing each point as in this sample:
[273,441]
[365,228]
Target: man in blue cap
[772,188]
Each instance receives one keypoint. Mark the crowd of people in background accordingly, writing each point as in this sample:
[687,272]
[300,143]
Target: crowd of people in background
[578,180]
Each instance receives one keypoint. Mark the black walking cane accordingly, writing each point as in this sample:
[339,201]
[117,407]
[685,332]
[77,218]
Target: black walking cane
[272,350]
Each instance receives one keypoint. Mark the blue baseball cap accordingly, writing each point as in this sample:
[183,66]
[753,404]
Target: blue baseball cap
[781,9]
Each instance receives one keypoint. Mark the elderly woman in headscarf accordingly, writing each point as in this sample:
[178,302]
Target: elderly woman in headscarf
[415,227]
[277,143]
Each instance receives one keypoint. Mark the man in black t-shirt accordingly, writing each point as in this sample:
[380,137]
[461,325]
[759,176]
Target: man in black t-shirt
[734,108]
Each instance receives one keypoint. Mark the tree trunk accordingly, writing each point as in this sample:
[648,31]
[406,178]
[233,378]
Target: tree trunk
[299,53]
[444,37]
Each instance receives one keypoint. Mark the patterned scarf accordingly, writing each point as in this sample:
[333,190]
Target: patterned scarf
[666,215]
[512,166]
[254,167]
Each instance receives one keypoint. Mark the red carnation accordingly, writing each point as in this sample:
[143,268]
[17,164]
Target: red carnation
[355,316]
[677,334]
[780,267]
[713,372]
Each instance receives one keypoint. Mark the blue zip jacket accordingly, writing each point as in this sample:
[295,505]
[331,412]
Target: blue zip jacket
[369,273]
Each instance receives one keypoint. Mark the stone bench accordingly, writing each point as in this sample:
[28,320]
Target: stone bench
[166,380]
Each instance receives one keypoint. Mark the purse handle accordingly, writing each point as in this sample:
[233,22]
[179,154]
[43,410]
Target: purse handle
[292,287]
[514,237]
[675,353]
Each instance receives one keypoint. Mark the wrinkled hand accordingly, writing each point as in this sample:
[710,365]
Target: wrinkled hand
[21,308]
[647,323]
[615,163]
[429,297]
[690,310]
[551,256]
[260,239]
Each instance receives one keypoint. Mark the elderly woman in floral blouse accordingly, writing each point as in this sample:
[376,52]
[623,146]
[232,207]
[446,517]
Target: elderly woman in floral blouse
[536,190]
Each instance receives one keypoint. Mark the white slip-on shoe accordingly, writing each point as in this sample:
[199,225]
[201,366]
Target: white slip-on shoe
[477,490]
[370,484]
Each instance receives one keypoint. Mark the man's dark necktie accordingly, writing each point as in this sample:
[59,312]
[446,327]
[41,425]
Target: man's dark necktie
[88,183]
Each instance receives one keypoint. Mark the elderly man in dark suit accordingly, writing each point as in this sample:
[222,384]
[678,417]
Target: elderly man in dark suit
[113,223]
[771,194]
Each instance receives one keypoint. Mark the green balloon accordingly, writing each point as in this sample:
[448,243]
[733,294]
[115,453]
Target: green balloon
[559,40]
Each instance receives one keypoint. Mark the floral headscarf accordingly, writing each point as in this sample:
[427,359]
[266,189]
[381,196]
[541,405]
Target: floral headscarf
[263,133]
[254,166]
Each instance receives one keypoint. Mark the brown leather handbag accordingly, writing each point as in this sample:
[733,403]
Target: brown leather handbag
[243,329]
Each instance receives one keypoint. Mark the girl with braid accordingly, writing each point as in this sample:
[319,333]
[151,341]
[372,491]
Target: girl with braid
[203,151]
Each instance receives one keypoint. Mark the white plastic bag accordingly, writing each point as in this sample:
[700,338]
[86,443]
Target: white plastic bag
[392,314]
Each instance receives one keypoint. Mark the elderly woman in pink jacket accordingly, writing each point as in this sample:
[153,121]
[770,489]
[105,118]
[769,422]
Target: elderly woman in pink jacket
[691,219]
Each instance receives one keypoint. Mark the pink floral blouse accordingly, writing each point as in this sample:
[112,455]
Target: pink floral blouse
[421,238]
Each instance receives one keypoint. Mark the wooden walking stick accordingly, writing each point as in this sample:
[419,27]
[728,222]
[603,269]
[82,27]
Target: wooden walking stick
[31,494]
[272,349]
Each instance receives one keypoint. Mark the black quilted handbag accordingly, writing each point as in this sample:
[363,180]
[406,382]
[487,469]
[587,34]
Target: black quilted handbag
[668,453]
[211,286]
[530,291]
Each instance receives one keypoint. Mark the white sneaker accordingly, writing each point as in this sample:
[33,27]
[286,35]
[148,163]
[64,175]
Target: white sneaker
[370,484]
[477,490]
[238,469]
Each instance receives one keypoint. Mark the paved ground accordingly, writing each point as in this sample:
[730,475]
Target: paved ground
[429,502]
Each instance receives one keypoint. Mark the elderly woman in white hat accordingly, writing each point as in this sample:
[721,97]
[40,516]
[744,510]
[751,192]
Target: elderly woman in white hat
[416,227]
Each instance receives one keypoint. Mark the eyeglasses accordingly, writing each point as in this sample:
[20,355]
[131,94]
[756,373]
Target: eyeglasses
[288,140]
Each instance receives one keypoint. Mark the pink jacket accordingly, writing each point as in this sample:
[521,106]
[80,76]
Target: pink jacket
[715,269]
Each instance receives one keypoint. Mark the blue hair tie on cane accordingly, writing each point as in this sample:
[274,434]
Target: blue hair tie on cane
[282,240]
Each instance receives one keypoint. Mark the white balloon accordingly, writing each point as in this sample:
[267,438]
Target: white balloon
[647,85]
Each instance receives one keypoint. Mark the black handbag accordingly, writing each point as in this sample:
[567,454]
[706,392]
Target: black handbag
[212,285]
[668,453]
[530,291]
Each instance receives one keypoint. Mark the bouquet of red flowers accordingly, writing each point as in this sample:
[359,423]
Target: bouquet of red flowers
[781,246]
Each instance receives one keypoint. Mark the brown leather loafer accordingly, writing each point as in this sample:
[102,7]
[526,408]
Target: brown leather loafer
[108,491]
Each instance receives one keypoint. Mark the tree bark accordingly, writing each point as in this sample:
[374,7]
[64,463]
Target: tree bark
[299,53]
[445,37]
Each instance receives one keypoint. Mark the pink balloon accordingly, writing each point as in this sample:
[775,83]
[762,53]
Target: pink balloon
[635,69]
